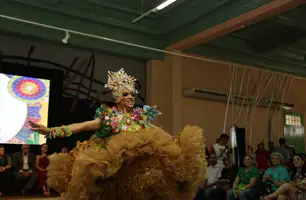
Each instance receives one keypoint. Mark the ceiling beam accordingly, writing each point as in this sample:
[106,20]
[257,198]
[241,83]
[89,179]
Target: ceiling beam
[21,10]
[296,68]
[256,15]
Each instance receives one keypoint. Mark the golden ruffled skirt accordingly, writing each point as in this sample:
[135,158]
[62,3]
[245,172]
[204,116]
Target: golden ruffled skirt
[146,165]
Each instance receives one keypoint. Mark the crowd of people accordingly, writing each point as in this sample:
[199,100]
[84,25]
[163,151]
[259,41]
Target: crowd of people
[24,171]
[273,173]
[268,174]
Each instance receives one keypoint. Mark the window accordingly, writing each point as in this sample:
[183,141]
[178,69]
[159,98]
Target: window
[293,120]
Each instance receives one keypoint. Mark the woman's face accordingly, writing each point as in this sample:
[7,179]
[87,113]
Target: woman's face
[44,148]
[127,98]
[247,161]
[276,160]
[298,161]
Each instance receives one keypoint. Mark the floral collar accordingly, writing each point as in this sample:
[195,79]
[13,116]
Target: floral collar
[114,121]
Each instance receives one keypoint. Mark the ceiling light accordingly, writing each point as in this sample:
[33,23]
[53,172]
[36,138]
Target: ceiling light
[164,5]
[154,10]
[66,38]
[286,107]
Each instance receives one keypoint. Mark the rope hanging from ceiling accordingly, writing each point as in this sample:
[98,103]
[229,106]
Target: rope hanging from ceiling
[228,100]
[245,101]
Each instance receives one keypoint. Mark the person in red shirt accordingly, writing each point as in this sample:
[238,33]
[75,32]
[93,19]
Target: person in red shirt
[262,156]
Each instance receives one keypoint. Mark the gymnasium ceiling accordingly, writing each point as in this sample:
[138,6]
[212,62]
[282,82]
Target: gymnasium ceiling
[276,43]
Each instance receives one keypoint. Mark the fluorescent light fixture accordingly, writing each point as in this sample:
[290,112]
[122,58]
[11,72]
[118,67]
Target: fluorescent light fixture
[164,5]
[286,107]
[154,10]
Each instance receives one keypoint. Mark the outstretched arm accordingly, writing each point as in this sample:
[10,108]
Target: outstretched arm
[92,125]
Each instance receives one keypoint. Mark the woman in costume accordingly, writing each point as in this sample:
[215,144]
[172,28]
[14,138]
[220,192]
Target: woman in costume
[128,157]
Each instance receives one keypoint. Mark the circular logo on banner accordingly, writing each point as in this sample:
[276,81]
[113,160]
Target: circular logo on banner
[29,90]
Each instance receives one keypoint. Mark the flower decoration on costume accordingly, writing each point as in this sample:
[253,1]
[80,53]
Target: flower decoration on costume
[118,80]
[150,112]
[114,121]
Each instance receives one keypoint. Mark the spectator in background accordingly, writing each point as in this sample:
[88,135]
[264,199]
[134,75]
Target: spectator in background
[277,174]
[296,189]
[282,149]
[5,173]
[213,176]
[271,146]
[291,150]
[42,163]
[229,172]
[24,169]
[262,156]
[221,150]
[246,179]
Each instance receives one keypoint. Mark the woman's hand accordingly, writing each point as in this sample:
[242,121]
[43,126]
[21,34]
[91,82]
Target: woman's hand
[267,178]
[39,128]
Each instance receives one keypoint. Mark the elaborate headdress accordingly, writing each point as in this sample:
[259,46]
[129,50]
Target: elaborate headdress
[118,80]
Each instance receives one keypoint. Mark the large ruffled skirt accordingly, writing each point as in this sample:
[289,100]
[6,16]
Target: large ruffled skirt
[145,165]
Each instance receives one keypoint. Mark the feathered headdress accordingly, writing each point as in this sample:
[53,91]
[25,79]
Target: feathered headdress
[119,80]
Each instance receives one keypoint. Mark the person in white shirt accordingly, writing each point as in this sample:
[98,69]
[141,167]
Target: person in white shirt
[24,167]
[213,175]
[221,150]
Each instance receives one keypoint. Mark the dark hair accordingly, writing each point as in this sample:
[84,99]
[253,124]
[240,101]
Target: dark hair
[252,159]
[303,172]
[260,144]
[1,146]
[271,142]
[41,147]
[224,136]
[282,141]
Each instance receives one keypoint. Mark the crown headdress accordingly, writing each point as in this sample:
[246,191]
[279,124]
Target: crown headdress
[118,80]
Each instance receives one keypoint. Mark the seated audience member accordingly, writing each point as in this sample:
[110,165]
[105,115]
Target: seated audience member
[213,176]
[42,163]
[245,180]
[24,169]
[262,156]
[296,189]
[277,174]
[5,173]
[218,188]
[283,150]
[229,172]
[221,149]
